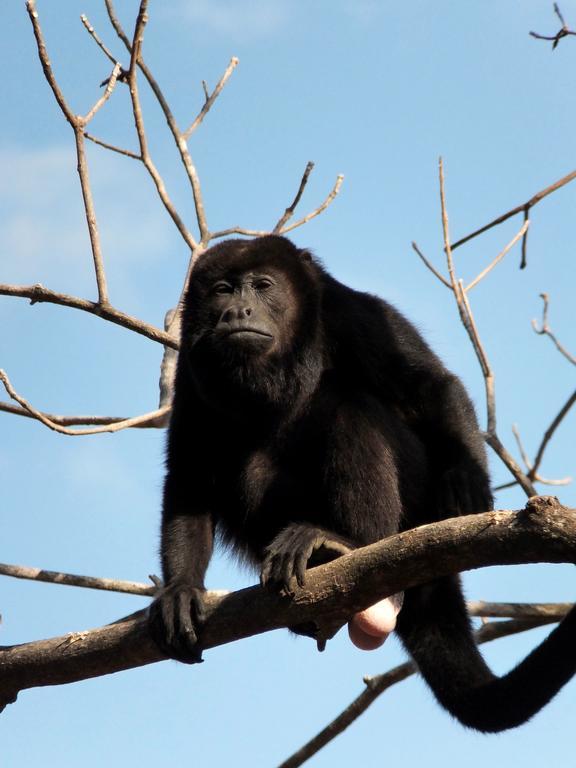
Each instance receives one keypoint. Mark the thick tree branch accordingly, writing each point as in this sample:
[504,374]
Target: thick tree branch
[542,532]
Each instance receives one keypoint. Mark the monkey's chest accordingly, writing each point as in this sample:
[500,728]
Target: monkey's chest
[268,489]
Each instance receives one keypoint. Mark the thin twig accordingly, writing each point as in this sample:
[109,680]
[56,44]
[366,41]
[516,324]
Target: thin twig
[73,580]
[135,421]
[317,211]
[500,256]
[546,331]
[524,208]
[92,32]
[181,144]
[508,460]
[210,99]
[156,420]
[111,84]
[469,323]
[45,62]
[78,124]
[70,421]
[552,428]
[525,459]
[112,147]
[564,30]
[38,294]
[378,684]
[521,611]
[431,267]
[238,230]
[289,212]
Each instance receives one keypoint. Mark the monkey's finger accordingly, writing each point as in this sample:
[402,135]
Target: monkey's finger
[288,571]
[185,623]
[198,605]
[267,569]
[167,618]
[302,560]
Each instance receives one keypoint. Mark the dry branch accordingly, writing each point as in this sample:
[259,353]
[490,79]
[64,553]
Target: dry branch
[78,124]
[75,580]
[375,686]
[545,330]
[211,98]
[480,608]
[524,209]
[38,294]
[467,318]
[564,30]
[69,421]
[157,417]
[542,532]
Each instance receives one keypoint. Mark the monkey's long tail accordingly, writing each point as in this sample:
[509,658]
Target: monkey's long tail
[436,631]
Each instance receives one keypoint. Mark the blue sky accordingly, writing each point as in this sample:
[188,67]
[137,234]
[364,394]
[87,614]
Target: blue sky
[376,91]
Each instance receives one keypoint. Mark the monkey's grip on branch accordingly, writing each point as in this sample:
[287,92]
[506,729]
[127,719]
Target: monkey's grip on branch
[544,531]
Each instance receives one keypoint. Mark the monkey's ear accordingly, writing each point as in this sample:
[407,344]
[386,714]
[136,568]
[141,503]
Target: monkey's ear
[305,255]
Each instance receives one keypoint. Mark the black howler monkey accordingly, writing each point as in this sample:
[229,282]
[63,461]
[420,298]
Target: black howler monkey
[308,416]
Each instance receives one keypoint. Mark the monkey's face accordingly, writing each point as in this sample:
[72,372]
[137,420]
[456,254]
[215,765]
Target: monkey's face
[248,314]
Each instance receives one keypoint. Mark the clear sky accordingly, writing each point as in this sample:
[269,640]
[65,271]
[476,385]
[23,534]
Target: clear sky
[376,91]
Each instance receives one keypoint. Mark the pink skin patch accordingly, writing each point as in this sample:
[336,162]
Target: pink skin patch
[369,629]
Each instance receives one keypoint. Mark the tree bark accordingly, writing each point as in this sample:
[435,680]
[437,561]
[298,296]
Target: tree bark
[544,531]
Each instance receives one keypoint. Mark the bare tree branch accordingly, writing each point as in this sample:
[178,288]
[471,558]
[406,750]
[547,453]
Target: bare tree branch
[564,30]
[376,685]
[289,212]
[78,125]
[469,323]
[38,294]
[74,580]
[210,99]
[431,267]
[519,611]
[551,429]
[92,32]
[238,230]
[179,139]
[70,421]
[500,256]
[112,147]
[158,415]
[543,531]
[317,211]
[478,608]
[524,208]
[545,330]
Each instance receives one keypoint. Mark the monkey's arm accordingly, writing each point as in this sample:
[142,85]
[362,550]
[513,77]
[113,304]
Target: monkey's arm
[187,543]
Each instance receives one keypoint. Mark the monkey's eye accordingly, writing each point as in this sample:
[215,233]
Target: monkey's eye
[221,288]
[262,284]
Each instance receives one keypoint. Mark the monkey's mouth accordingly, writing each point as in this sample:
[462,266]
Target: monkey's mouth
[247,332]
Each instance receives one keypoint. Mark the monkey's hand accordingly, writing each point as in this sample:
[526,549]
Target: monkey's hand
[296,548]
[175,619]
[464,490]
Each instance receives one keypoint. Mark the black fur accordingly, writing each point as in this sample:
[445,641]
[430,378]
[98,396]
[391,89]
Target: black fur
[309,417]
